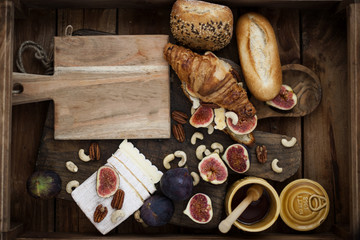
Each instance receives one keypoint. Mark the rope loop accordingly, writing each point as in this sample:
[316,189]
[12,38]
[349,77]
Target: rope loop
[40,55]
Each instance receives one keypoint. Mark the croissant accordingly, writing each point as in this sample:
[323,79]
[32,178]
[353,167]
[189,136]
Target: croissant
[210,79]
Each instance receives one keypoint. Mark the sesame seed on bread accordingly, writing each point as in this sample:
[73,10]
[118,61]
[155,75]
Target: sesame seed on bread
[201,25]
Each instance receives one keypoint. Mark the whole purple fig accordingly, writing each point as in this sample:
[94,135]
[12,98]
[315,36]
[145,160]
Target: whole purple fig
[157,210]
[44,184]
[177,184]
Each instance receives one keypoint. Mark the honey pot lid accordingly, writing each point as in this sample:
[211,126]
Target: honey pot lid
[304,204]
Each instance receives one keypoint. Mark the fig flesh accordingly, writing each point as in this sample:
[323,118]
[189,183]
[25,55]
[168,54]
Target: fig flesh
[285,100]
[212,169]
[202,117]
[157,210]
[44,184]
[177,184]
[107,181]
[199,208]
[237,158]
[244,125]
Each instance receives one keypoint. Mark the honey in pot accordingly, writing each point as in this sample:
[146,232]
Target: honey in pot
[256,211]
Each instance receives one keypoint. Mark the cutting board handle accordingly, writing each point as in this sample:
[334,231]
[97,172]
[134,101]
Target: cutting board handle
[28,88]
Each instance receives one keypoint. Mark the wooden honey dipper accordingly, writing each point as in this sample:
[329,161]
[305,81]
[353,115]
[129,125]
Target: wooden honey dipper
[252,194]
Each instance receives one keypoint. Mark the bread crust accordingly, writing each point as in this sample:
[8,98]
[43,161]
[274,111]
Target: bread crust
[201,25]
[247,139]
[209,79]
[259,56]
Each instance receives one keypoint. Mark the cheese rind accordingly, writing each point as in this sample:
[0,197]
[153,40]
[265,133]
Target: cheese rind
[134,181]
[139,159]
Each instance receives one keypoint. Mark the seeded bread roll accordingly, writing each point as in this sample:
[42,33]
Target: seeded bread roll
[259,56]
[201,25]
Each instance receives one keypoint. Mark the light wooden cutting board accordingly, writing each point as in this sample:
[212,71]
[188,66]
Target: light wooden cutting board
[105,87]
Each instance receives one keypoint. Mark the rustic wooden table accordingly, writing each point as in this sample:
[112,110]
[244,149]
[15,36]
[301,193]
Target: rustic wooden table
[325,39]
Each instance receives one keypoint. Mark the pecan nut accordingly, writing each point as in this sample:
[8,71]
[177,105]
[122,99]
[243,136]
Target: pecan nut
[118,199]
[261,153]
[179,117]
[94,151]
[178,132]
[100,213]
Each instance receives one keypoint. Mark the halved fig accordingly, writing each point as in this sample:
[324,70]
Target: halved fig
[237,158]
[199,208]
[202,117]
[107,181]
[212,169]
[244,125]
[285,100]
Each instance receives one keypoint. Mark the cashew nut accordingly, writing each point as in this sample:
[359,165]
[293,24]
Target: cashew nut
[216,151]
[83,156]
[71,166]
[71,186]
[200,151]
[192,110]
[217,145]
[182,155]
[234,117]
[196,102]
[139,219]
[275,167]
[167,160]
[196,135]
[210,129]
[117,215]
[196,178]
[287,143]
[207,152]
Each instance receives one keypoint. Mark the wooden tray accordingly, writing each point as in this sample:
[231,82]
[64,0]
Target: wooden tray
[316,38]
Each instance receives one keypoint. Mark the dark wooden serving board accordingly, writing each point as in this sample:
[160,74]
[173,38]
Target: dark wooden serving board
[54,153]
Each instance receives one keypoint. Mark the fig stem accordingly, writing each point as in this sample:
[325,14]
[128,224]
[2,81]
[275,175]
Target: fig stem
[253,194]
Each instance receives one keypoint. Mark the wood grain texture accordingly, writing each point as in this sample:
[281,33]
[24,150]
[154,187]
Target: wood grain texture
[326,137]
[189,236]
[6,56]
[101,20]
[53,155]
[318,163]
[15,230]
[122,81]
[109,51]
[27,127]
[286,24]
[145,21]
[289,158]
[353,21]
[168,3]
[306,86]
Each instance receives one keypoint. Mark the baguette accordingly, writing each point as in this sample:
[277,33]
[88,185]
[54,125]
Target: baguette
[201,25]
[259,56]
